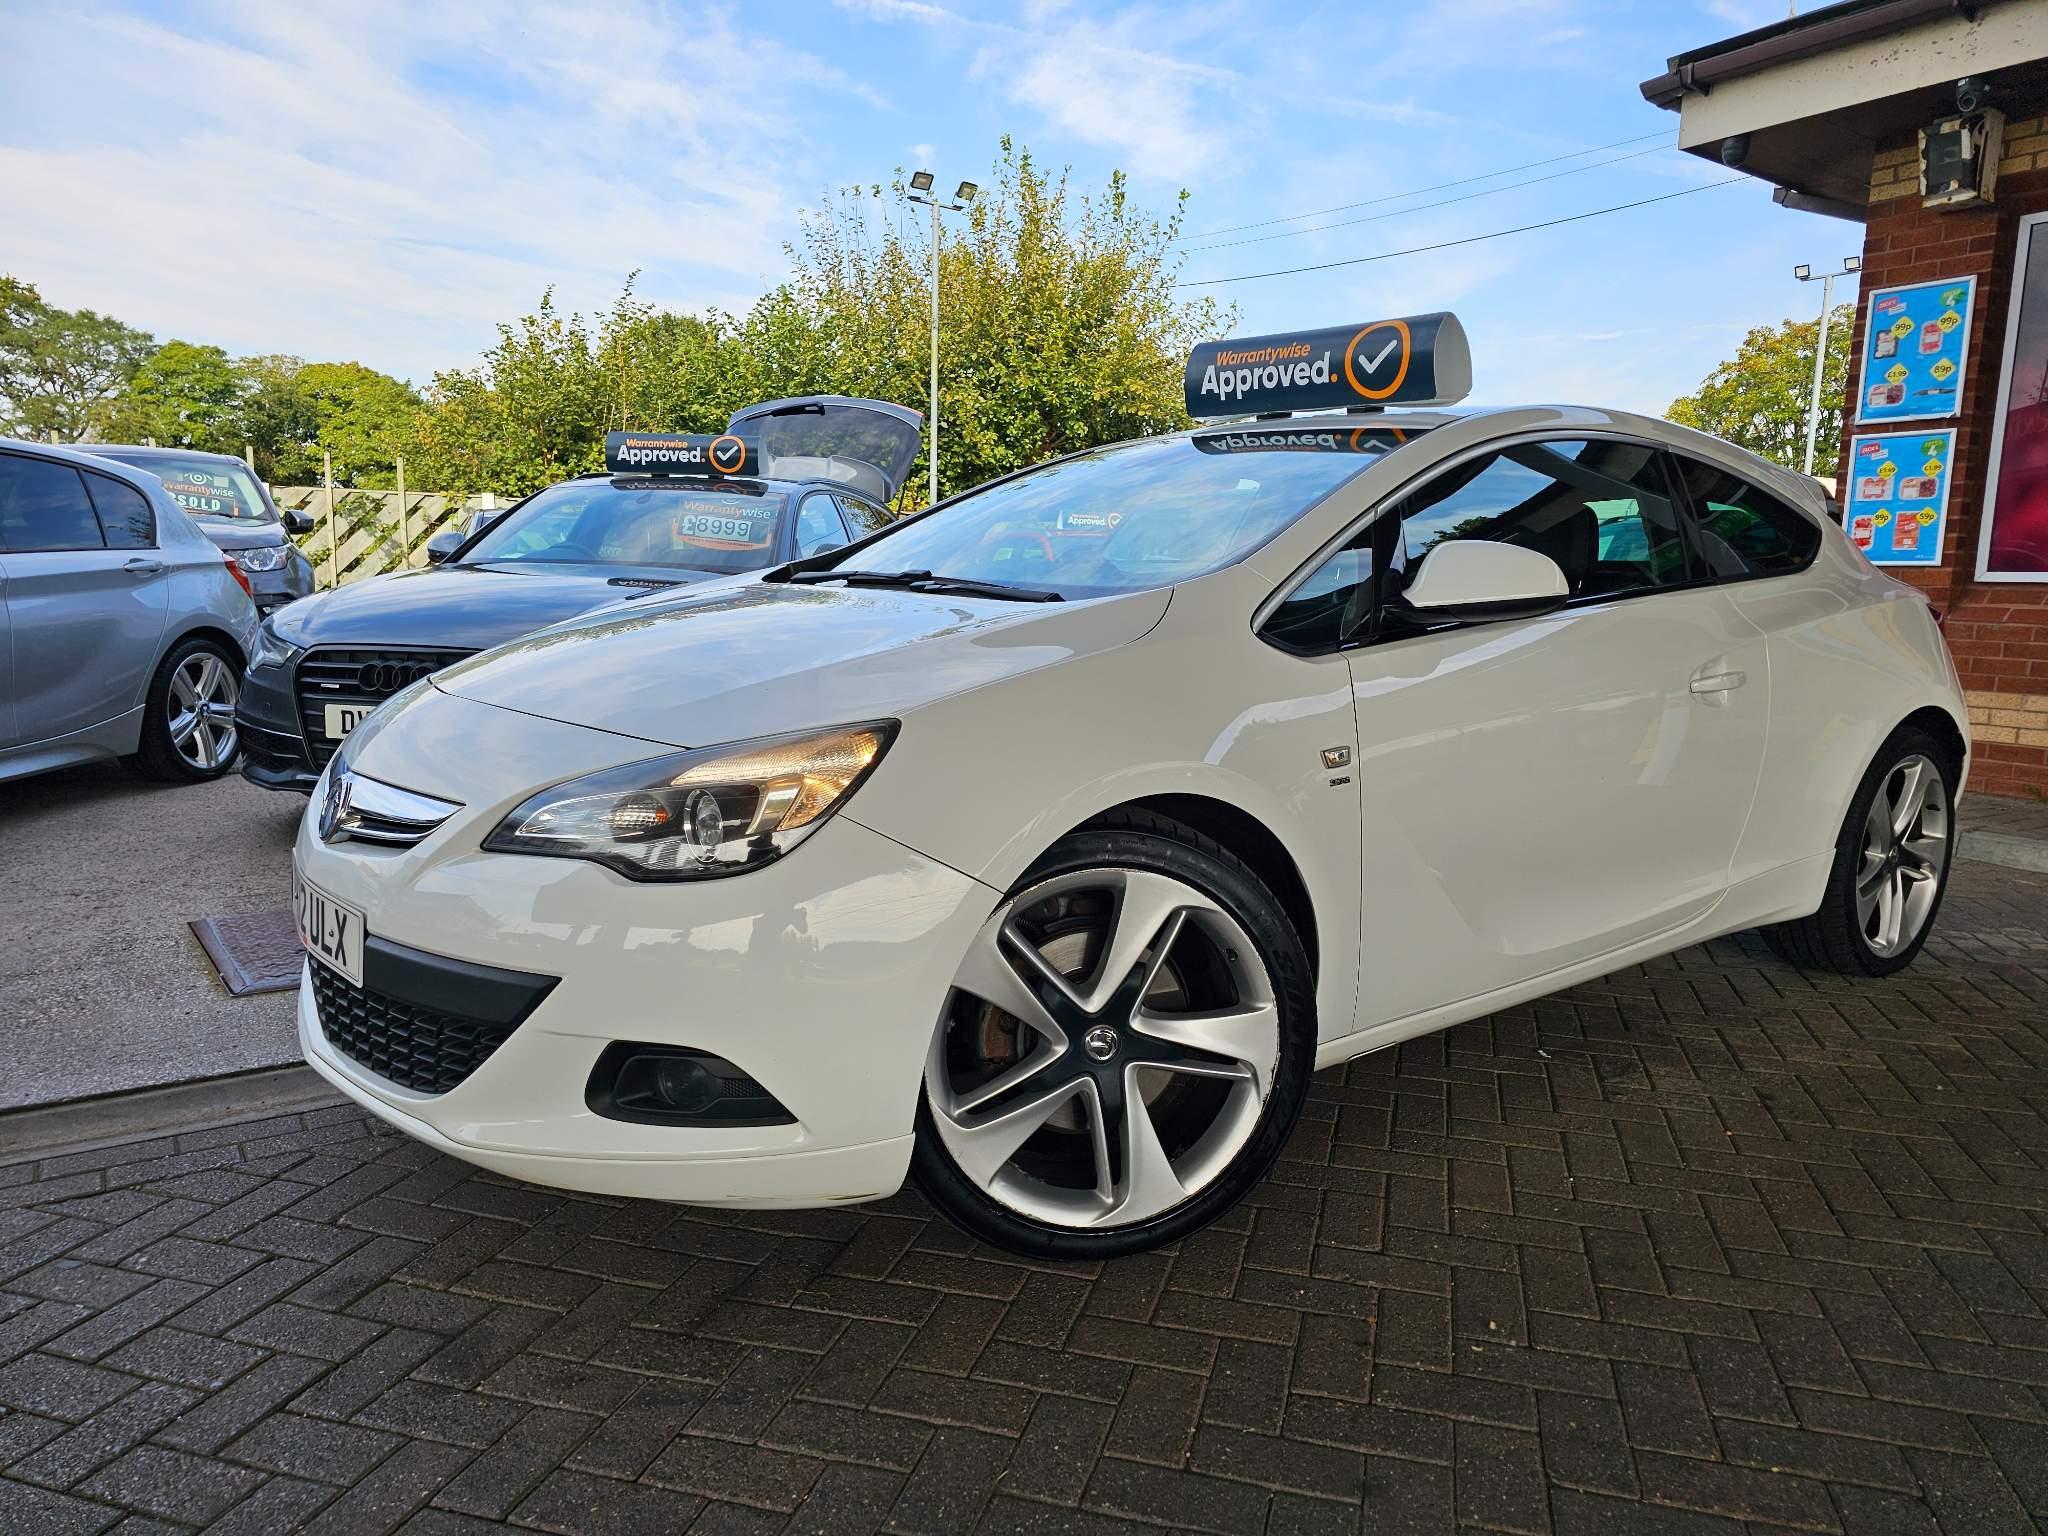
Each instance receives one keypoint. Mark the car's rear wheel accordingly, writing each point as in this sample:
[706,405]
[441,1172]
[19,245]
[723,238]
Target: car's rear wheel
[1123,1050]
[1891,865]
[188,728]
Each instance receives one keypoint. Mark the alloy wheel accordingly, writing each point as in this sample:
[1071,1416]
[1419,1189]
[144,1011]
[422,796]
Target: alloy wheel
[203,694]
[1106,1051]
[1904,855]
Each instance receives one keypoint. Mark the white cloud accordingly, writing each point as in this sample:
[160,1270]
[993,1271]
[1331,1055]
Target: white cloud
[277,176]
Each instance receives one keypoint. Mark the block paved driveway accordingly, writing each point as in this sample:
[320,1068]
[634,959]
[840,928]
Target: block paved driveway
[1704,1247]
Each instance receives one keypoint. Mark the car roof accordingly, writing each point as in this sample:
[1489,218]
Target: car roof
[157,451]
[700,482]
[83,458]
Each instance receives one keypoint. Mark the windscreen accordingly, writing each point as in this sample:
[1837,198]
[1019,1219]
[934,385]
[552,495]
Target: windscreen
[1129,517]
[638,522]
[206,487]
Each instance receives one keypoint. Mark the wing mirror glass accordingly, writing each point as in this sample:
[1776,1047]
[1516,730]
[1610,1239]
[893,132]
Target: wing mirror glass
[297,522]
[442,545]
[1475,581]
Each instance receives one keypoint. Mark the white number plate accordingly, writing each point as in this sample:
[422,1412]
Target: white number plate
[331,930]
[343,718]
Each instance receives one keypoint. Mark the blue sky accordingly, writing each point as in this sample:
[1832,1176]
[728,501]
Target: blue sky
[386,181]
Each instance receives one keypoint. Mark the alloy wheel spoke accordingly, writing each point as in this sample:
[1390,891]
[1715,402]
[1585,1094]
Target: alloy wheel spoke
[1149,1183]
[1147,907]
[183,691]
[1912,794]
[981,1147]
[1223,1042]
[1031,1078]
[991,972]
[182,726]
[1925,851]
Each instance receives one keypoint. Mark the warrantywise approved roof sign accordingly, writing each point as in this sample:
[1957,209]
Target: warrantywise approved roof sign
[681,453]
[1416,360]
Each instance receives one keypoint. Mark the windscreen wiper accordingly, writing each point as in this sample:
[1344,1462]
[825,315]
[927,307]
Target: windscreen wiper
[925,581]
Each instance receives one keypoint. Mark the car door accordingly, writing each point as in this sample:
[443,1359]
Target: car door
[1542,792]
[8,734]
[819,528]
[86,618]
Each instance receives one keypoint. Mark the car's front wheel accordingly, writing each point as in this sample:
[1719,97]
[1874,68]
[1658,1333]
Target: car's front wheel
[1123,1051]
[188,727]
[1891,865]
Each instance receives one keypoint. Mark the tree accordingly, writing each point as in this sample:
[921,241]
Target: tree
[183,395]
[1757,399]
[61,369]
[1061,329]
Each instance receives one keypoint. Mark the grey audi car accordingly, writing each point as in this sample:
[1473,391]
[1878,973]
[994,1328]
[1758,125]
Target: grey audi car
[820,472]
[123,631]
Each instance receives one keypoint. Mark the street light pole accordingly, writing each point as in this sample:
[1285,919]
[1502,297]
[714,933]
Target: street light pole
[922,191]
[1850,266]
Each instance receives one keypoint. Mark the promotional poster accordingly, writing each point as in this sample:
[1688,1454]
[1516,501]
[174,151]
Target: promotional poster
[2014,543]
[1896,509]
[1915,350]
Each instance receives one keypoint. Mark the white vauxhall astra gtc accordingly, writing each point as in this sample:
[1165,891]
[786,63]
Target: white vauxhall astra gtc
[1042,846]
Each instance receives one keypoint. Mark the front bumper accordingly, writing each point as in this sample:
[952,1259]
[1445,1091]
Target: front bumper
[821,975]
[267,719]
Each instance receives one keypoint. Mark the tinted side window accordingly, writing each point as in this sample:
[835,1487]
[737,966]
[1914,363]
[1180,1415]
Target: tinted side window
[863,517]
[44,506]
[1328,605]
[1742,531]
[818,527]
[125,515]
[1600,508]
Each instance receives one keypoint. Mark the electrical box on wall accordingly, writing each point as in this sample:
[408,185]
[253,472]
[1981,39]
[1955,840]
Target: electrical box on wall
[1959,159]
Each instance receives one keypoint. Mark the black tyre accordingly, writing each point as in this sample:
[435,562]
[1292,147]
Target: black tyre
[1124,1050]
[188,728]
[1891,865]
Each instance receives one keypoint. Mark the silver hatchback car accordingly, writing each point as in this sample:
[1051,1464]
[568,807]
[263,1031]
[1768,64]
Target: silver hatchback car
[123,628]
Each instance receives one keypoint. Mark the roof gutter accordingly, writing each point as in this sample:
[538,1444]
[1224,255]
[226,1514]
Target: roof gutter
[1698,72]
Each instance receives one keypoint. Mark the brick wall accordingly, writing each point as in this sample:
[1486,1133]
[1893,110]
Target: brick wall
[1998,631]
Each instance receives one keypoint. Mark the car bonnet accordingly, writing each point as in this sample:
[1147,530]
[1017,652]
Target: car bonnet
[767,657]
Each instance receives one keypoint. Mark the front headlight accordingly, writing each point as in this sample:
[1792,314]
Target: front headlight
[701,814]
[268,558]
[271,651]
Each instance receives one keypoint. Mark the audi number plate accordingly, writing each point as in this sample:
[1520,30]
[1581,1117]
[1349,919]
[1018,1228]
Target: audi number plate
[331,930]
[343,718]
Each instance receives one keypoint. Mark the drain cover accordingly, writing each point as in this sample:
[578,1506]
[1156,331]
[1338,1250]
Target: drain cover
[256,952]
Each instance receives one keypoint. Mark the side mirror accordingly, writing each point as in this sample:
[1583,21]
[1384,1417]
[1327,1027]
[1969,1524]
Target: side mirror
[297,522]
[1475,581]
[442,545]
[822,547]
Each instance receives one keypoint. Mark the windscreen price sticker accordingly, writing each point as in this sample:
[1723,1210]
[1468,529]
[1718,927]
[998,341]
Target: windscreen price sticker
[1896,510]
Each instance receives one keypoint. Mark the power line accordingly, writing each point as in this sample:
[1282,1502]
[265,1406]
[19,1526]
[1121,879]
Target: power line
[1394,213]
[1444,245]
[1441,186]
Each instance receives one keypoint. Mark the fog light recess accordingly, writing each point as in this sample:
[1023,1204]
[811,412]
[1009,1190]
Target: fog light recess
[670,1085]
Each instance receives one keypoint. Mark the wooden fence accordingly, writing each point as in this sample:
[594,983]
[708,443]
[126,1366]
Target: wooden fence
[367,533]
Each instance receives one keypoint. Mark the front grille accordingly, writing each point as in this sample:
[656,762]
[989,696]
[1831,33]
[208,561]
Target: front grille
[414,1047]
[358,675]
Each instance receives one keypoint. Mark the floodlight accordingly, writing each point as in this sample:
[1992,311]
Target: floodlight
[966,192]
[921,181]
[1852,263]
[1802,272]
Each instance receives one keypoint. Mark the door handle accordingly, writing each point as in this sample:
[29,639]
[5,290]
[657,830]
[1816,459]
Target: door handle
[1718,682]
[140,566]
